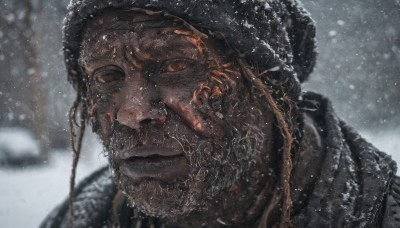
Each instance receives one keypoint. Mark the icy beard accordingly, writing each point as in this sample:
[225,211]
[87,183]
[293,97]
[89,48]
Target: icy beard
[215,166]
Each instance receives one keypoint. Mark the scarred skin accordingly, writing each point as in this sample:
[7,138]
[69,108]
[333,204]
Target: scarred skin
[164,84]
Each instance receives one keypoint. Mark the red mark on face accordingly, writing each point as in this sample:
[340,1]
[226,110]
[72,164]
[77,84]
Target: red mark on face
[235,73]
[216,92]
[189,115]
[202,90]
[215,80]
[110,119]
[183,32]
[223,75]
[197,42]
[218,83]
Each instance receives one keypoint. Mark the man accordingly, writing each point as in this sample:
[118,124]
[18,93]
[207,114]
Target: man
[199,108]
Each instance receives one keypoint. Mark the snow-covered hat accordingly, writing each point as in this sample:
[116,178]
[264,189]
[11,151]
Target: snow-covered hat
[277,35]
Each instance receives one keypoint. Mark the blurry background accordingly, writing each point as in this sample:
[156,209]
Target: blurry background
[358,68]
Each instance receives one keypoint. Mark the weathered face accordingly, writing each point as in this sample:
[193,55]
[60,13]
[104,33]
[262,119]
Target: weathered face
[182,127]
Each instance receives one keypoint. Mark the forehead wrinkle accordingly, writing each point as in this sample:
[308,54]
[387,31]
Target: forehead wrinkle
[138,47]
[168,43]
[100,45]
[131,57]
[160,38]
[133,49]
[139,44]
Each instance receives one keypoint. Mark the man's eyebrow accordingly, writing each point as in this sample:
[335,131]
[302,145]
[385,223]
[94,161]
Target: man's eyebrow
[172,46]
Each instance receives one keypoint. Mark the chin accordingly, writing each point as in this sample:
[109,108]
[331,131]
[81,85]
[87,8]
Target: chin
[155,198]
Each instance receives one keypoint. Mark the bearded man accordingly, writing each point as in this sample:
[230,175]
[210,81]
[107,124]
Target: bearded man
[199,108]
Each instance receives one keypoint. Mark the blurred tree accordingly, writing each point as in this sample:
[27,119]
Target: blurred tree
[24,91]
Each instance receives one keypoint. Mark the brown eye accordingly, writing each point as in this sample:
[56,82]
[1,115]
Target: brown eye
[108,74]
[176,66]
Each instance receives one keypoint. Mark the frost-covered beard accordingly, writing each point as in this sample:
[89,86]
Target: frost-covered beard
[215,165]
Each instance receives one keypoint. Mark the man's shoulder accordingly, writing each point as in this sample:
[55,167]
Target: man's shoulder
[392,210]
[92,202]
[360,174]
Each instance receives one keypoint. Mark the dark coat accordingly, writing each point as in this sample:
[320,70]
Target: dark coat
[357,186]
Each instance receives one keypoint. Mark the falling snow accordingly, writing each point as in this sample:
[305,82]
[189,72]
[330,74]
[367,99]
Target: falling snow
[357,68]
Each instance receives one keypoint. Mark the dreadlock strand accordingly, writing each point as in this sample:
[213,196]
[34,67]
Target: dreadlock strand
[77,108]
[286,131]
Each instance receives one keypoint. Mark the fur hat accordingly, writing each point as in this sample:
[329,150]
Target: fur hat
[277,35]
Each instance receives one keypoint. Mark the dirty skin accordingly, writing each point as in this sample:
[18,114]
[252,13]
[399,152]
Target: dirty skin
[155,84]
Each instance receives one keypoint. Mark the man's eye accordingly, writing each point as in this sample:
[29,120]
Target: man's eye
[176,66]
[108,77]
[108,74]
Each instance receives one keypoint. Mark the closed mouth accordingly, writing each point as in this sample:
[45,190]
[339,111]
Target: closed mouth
[158,163]
[153,163]
[147,151]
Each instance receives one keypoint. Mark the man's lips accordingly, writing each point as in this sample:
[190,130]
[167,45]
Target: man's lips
[154,162]
[147,151]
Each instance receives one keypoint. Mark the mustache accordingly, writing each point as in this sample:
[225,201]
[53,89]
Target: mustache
[126,137]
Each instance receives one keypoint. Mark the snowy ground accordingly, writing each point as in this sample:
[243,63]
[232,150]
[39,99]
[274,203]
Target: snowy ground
[27,195]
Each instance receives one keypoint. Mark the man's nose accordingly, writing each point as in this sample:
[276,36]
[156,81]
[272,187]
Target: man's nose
[139,107]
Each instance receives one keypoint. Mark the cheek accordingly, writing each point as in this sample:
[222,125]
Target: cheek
[220,83]
[102,115]
[106,123]
[181,104]
[200,108]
